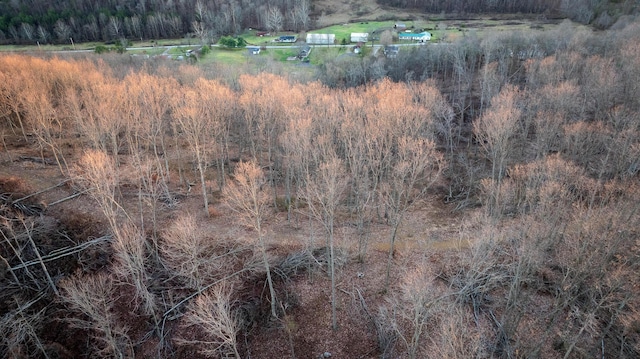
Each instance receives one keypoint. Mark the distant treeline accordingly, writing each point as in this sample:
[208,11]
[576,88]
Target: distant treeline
[32,21]
[600,12]
[477,6]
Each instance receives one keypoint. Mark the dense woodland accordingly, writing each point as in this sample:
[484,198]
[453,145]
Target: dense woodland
[533,141]
[39,21]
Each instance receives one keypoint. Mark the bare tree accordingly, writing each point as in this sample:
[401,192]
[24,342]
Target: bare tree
[130,255]
[47,125]
[62,31]
[324,194]
[27,31]
[93,297]
[12,86]
[419,296]
[147,103]
[274,19]
[213,314]
[200,31]
[494,131]
[188,251]
[246,197]
[301,14]
[417,167]
[200,111]
[386,38]
[115,27]
[98,173]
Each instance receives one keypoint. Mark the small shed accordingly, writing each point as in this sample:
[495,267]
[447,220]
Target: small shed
[321,39]
[421,37]
[359,36]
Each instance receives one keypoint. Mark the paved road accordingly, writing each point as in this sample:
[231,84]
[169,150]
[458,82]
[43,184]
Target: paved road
[376,47]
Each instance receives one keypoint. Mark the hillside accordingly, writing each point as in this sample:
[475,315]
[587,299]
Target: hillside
[477,198]
[67,22]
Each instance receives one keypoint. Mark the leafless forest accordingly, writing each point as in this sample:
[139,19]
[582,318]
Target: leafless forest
[479,199]
[44,21]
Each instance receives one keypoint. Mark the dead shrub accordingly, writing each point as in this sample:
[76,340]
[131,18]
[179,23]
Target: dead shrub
[215,322]
[20,337]
[214,212]
[190,254]
[14,187]
[130,264]
[92,299]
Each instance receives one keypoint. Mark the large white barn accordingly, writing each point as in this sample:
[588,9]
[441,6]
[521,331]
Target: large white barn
[359,36]
[321,39]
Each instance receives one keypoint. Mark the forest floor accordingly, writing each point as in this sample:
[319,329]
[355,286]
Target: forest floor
[305,330]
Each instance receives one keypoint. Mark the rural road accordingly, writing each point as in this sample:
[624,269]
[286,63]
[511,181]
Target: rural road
[168,47]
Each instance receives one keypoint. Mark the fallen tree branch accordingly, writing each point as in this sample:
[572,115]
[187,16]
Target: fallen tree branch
[39,192]
[68,198]
[44,161]
[199,291]
[62,252]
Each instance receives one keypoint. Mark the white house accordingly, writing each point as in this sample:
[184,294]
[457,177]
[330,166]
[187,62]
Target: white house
[359,36]
[321,39]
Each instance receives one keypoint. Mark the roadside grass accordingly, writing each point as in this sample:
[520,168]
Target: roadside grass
[50,47]
[152,51]
[181,50]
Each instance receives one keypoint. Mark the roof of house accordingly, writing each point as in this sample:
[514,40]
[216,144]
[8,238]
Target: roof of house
[391,49]
[414,35]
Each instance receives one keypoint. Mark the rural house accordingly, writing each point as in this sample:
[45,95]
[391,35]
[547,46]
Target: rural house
[421,37]
[286,38]
[391,51]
